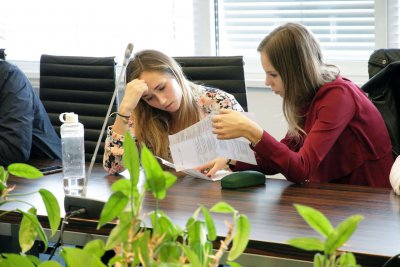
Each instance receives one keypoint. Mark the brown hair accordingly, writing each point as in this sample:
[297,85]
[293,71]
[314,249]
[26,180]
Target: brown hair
[151,125]
[296,55]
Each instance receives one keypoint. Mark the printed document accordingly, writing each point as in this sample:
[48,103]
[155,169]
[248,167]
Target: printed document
[197,145]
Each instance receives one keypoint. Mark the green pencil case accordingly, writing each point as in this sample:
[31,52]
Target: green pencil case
[242,179]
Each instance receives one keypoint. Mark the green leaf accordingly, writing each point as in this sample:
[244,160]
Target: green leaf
[3,174]
[331,242]
[196,233]
[27,233]
[343,232]
[170,179]
[197,248]
[233,264]
[319,260]
[223,207]
[167,227]
[120,232]
[24,170]
[144,242]
[347,259]
[169,252]
[16,260]
[131,159]
[52,208]
[95,247]
[192,257]
[155,180]
[49,264]
[241,237]
[31,216]
[208,248]
[114,206]
[35,260]
[2,187]
[212,232]
[117,259]
[79,258]
[122,185]
[190,222]
[346,228]
[3,179]
[307,243]
[315,219]
[196,213]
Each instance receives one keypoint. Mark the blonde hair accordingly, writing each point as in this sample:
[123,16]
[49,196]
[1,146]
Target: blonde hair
[152,125]
[296,55]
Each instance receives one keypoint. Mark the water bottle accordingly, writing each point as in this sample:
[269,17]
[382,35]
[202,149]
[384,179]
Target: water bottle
[73,154]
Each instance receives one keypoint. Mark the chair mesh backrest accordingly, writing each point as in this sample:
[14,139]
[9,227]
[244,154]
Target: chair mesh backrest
[222,72]
[83,85]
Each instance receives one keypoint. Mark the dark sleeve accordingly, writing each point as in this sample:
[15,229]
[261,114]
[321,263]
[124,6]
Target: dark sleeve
[16,116]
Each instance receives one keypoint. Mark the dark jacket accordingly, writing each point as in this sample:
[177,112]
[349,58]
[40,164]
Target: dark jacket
[25,129]
[384,91]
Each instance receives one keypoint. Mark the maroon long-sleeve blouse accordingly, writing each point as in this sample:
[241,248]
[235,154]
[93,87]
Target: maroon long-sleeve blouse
[346,142]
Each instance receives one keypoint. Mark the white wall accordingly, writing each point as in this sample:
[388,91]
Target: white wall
[267,108]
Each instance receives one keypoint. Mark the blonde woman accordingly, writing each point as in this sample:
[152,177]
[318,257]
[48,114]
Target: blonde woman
[159,101]
[335,133]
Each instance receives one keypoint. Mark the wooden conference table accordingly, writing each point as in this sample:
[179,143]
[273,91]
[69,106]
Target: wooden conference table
[269,207]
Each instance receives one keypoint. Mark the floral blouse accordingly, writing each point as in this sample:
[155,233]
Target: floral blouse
[210,100]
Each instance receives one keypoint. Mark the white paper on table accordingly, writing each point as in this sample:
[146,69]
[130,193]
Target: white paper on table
[216,177]
[197,145]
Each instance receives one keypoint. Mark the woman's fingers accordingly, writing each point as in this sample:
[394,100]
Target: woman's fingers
[204,167]
[212,171]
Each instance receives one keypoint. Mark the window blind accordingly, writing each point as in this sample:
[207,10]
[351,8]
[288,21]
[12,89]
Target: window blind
[92,28]
[393,22]
[344,28]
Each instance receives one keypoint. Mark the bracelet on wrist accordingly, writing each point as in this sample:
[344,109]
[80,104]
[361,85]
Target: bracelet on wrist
[125,118]
[228,162]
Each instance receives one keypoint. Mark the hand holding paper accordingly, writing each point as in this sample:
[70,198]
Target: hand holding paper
[229,124]
[197,145]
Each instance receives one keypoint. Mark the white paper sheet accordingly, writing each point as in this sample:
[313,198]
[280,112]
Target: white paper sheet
[216,177]
[197,145]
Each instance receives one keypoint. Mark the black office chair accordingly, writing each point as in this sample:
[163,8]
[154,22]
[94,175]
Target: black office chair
[83,85]
[3,54]
[384,91]
[222,72]
[393,261]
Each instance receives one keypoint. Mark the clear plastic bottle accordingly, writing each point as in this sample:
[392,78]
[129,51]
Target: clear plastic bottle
[73,154]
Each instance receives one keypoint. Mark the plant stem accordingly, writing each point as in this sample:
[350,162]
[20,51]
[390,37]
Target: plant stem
[224,246]
[4,213]
[21,195]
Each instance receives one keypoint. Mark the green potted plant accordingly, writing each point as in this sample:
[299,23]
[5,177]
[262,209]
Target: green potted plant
[162,243]
[30,228]
[328,254]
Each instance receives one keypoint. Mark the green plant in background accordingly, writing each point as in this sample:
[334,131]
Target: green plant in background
[30,227]
[163,243]
[328,255]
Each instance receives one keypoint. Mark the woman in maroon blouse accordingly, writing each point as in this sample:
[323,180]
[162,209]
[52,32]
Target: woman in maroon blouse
[335,133]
